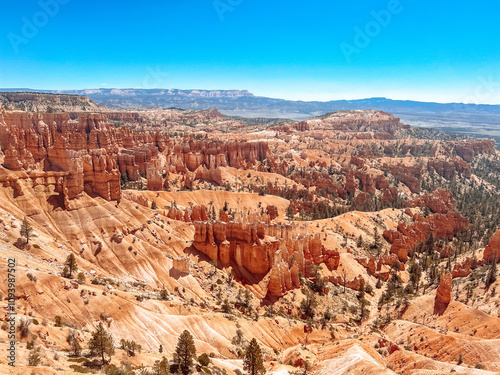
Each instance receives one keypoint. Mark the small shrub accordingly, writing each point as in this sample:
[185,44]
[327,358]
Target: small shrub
[35,357]
[58,321]
[226,307]
[204,359]
[79,369]
[164,294]
[76,348]
[30,344]
[24,328]
[21,244]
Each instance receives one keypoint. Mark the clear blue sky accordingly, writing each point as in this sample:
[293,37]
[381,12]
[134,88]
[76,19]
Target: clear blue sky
[427,50]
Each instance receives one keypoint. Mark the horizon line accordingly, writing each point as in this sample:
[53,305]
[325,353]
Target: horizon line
[19,89]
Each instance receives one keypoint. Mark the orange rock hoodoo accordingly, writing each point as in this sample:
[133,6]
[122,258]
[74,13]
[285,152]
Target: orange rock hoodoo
[189,155]
[154,173]
[492,247]
[53,142]
[405,239]
[280,251]
[449,168]
[464,269]
[409,175]
[469,148]
[440,201]
[380,267]
[443,293]
[94,154]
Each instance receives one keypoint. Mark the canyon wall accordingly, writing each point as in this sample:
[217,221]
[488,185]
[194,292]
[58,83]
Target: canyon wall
[95,154]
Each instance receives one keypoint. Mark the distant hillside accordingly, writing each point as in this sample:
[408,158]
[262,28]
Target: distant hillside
[244,103]
[47,102]
[471,119]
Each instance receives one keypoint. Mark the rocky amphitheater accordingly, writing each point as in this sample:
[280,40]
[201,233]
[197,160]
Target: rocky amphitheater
[349,243]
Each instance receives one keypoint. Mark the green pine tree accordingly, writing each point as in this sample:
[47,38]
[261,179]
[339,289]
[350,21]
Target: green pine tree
[70,265]
[161,367]
[253,362]
[101,343]
[26,230]
[492,271]
[185,352]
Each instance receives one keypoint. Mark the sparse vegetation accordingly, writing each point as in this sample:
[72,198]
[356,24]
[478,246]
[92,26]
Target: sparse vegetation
[204,359]
[23,328]
[253,362]
[70,266]
[130,346]
[35,357]
[185,352]
[101,344]
[354,163]
[26,230]
[58,321]
[308,304]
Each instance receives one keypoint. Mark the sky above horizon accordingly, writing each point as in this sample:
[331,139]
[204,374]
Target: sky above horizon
[322,50]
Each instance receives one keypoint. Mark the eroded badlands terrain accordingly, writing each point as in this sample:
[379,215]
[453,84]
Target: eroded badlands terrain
[348,243]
